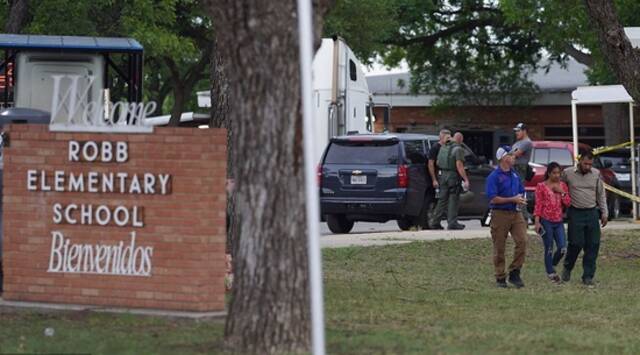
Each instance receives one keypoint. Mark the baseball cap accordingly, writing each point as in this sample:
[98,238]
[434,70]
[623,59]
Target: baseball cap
[502,151]
[520,126]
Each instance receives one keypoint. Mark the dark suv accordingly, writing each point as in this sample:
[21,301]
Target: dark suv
[374,178]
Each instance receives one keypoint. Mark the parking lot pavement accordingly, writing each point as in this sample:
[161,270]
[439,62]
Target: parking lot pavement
[369,234]
[392,226]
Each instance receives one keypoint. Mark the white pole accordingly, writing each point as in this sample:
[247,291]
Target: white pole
[574,123]
[634,180]
[311,190]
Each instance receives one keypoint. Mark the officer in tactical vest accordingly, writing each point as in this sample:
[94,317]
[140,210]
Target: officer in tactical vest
[451,177]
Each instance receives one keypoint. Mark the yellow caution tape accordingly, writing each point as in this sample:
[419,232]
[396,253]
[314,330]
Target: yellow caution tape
[622,193]
[601,150]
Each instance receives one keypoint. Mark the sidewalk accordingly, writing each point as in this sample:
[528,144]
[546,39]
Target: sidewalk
[385,238]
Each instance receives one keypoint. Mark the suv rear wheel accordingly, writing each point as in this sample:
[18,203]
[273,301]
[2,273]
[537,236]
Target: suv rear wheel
[339,224]
[405,223]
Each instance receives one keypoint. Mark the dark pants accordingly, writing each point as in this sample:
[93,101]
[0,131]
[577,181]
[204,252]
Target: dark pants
[584,234]
[449,198]
[504,223]
[554,231]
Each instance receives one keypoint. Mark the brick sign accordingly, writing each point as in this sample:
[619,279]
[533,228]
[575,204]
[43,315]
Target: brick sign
[126,220]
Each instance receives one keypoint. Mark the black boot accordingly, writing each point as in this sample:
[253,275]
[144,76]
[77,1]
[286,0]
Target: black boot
[501,283]
[514,278]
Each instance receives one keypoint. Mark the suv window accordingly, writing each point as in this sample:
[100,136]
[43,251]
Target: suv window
[546,155]
[362,153]
[414,151]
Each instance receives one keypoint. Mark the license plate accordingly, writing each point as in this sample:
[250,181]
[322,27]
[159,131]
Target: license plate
[623,177]
[358,179]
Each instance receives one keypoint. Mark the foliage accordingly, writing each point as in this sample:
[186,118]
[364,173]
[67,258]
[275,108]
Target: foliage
[474,49]
[174,31]
[460,50]
[560,25]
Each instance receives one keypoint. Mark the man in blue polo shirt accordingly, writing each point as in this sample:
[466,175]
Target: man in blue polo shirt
[506,201]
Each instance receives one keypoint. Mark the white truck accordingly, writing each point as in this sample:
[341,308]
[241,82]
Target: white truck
[341,99]
[342,102]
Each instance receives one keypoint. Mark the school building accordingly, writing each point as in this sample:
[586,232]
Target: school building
[486,127]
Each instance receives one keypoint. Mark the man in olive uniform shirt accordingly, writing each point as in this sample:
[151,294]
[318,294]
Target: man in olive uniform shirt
[588,207]
[451,165]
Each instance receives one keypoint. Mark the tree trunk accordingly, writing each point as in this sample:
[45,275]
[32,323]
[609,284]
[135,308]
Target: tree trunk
[623,59]
[616,123]
[179,101]
[219,90]
[18,10]
[219,119]
[269,310]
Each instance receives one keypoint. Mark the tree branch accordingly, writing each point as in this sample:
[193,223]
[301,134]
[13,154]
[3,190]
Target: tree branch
[17,15]
[580,56]
[431,39]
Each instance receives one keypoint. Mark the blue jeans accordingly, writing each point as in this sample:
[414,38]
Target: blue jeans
[553,231]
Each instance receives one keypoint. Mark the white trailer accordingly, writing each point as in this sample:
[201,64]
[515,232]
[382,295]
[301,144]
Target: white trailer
[341,99]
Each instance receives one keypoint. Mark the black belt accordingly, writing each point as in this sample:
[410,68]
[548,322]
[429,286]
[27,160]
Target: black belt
[501,210]
[584,209]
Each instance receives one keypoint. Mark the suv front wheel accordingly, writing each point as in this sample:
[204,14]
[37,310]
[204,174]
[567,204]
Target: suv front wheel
[339,224]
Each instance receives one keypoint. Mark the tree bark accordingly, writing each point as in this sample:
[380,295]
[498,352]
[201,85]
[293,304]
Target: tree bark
[269,309]
[18,11]
[616,123]
[183,84]
[623,59]
[219,119]
[219,90]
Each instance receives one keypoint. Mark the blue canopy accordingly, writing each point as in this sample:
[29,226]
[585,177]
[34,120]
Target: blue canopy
[71,43]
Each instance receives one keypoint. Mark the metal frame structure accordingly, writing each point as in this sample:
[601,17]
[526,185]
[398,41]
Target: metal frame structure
[132,73]
[586,95]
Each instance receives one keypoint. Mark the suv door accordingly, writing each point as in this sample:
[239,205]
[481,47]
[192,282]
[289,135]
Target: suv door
[361,169]
[477,173]
[416,160]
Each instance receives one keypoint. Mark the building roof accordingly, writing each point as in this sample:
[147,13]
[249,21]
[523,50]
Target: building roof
[558,79]
[70,43]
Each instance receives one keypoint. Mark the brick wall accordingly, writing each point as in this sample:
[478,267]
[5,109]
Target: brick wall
[489,117]
[185,228]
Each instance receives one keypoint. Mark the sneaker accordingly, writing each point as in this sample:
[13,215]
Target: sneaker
[554,278]
[456,226]
[514,278]
[501,283]
[436,227]
[588,282]
[566,275]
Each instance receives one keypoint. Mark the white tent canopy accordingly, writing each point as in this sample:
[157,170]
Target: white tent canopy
[584,95]
[589,95]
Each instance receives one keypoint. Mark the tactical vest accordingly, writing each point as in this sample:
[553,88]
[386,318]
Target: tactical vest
[445,160]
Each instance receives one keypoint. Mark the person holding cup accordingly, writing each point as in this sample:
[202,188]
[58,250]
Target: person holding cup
[506,201]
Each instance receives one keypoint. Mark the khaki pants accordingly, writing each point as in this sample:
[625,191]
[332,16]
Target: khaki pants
[503,223]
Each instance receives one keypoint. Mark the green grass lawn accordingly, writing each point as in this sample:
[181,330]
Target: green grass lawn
[423,297]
